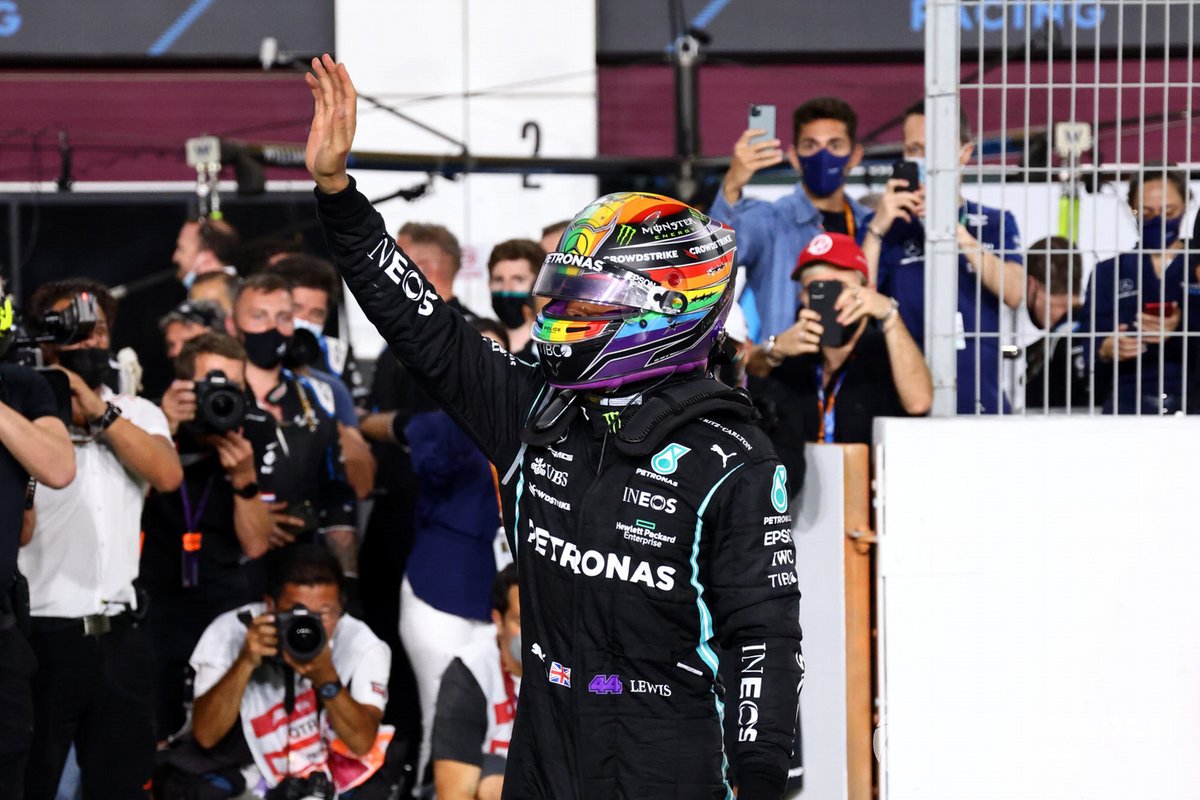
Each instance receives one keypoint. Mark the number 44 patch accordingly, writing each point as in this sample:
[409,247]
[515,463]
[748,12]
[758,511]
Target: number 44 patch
[606,684]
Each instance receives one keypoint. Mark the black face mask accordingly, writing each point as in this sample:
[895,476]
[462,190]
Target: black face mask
[266,350]
[94,364]
[510,307]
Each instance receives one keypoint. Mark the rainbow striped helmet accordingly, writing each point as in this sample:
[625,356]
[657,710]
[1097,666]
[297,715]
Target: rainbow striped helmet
[640,286]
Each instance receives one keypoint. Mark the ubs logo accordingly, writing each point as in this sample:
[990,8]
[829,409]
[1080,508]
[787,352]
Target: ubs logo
[545,470]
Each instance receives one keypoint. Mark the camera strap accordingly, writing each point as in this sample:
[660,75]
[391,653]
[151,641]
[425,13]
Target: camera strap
[193,539]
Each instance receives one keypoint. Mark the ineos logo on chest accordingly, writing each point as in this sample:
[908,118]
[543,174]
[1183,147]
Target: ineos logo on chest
[650,500]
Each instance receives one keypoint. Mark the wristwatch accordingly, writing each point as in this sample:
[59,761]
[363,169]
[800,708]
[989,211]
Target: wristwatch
[247,492]
[329,690]
[773,358]
[105,420]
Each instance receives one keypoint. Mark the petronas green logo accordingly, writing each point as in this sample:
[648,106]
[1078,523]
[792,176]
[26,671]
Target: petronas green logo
[779,495]
[667,459]
[625,234]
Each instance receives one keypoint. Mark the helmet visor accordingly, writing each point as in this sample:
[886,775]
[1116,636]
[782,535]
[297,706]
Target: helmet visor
[570,276]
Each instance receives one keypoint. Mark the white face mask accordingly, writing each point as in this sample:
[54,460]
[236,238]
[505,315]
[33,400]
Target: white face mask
[188,279]
[312,327]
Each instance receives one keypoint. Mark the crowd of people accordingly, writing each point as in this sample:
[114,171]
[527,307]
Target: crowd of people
[211,610]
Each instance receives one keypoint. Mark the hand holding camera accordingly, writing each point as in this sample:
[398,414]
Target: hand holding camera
[298,633]
[262,640]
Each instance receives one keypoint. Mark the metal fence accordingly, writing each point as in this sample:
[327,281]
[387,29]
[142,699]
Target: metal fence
[1081,137]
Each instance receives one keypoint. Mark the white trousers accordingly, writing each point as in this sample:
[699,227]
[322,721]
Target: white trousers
[432,638]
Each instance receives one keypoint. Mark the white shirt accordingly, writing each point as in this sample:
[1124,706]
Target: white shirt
[85,549]
[363,663]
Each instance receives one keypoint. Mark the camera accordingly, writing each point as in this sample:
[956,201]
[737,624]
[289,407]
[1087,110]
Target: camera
[301,634]
[220,404]
[316,786]
[19,342]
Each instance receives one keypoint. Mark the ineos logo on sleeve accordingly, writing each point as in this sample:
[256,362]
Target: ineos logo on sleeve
[410,280]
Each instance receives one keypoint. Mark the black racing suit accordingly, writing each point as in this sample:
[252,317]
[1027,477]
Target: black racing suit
[642,553]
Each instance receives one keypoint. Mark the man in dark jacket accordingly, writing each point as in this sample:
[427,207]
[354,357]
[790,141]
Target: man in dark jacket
[651,518]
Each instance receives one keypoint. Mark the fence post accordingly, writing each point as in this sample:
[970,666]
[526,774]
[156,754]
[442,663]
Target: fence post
[941,200]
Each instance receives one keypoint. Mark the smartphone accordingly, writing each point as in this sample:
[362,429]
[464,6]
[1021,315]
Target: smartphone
[762,116]
[908,171]
[822,295]
[1160,309]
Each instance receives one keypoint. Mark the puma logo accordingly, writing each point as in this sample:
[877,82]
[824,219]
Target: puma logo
[724,456]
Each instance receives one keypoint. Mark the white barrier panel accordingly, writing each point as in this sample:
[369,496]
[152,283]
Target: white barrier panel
[819,534]
[1039,633]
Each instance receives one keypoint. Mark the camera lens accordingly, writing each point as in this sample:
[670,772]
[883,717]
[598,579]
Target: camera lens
[222,405]
[302,634]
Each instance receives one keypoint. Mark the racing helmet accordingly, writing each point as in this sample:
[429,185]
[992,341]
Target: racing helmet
[666,272]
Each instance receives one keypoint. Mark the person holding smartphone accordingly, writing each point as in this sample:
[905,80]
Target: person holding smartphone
[1135,305]
[990,267]
[849,358]
[823,149]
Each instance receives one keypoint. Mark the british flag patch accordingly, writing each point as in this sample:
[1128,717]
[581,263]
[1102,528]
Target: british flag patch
[560,674]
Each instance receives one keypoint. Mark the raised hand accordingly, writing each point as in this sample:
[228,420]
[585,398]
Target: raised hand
[335,107]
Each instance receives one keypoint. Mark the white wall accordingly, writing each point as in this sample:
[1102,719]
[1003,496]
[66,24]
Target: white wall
[819,534]
[529,61]
[1038,594]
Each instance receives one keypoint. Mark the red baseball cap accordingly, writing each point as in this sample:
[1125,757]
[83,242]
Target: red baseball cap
[835,249]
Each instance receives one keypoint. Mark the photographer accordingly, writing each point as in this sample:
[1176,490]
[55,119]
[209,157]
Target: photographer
[33,444]
[200,542]
[307,485]
[249,670]
[315,285]
[477,703]
[93,659]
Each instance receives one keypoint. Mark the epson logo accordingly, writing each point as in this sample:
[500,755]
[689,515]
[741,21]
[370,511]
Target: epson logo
[575,260]
[650,500]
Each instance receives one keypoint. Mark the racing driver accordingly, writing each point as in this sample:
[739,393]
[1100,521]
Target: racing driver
[648,515]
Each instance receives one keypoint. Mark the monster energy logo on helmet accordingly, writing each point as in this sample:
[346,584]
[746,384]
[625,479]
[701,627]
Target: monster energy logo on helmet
[625,234]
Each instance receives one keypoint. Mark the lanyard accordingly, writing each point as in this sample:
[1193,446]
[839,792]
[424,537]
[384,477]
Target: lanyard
[825,411]
[849,220]
[192,521]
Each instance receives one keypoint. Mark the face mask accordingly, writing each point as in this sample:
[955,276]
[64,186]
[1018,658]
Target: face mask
[1157,235]
[265,350]
[824,173]
[312,327]
[94,364]
[514,648]
[188,280]
[510,307]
